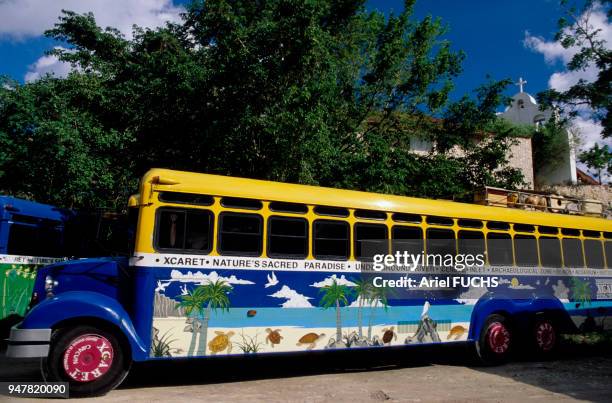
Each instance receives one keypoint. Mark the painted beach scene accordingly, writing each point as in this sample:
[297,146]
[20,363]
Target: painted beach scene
[201,313]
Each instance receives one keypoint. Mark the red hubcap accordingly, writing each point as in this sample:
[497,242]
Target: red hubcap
[498,337]
[545,336]
[88,357]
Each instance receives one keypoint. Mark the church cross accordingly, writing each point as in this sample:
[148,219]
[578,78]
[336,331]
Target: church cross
[521,83]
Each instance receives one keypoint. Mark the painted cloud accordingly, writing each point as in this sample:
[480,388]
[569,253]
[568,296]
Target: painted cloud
[201,278]
[330,280]
[293,298]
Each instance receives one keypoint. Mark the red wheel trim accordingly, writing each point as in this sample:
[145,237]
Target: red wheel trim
[545,336]
[88,357]
[498,338]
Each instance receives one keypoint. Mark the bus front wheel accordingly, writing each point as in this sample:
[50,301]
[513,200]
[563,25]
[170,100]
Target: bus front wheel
[92,360]
[496,340]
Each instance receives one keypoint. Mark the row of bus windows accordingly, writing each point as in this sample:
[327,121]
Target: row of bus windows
[191,230]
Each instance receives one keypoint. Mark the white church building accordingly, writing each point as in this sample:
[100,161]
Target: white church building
[525,110]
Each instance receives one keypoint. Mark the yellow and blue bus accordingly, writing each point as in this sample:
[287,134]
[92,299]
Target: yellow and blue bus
[233,266]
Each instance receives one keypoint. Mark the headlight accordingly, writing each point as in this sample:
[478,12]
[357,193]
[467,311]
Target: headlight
[50,285]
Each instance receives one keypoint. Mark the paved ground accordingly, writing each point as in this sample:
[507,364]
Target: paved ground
[441,374]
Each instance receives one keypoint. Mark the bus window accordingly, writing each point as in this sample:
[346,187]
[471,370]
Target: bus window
[469,223]
[593,252]
[570,231]
[498,225]
[572,252]
[331,211]
[405,217]
[550,251]
[524,228]
[240,234]
[609,254]
[409,239]
[331,240]
[185,230]
[548,230]
[436,220]
[186,198]
[240,203]
[287,237]
[371,214]
[284,207]
[370,240]
[22,240]
[526,250]
[471,242]
[441,241]
[499,247]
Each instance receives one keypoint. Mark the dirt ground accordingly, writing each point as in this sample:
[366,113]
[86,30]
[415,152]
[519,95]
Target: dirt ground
[432,374]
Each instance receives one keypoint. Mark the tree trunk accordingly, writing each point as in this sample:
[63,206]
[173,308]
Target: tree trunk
[360,317]
[204,331]
[338,323]
[194,335]
[370,321]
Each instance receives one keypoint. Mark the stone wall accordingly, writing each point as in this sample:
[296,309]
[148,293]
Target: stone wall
[521,157]
[594,192]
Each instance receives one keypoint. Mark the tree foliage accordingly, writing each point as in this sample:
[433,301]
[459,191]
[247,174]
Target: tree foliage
[576,31]
[318,92]
[598,159]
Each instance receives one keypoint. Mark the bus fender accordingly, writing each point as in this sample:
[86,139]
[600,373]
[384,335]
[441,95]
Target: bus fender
[520,312]
[72,305]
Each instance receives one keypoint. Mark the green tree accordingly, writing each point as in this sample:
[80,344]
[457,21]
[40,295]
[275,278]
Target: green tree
[597,159]
[318,92]
[577,31]
[334,296]
[193,304]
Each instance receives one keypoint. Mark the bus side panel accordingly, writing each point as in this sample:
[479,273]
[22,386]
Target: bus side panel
[285,311]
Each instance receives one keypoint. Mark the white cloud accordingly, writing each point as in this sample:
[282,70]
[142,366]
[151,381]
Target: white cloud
[342,280]
[377,303]
[293,298]
[48,64]
[201,278]
[471,295]
[30,18]
[22,19]
[561,291]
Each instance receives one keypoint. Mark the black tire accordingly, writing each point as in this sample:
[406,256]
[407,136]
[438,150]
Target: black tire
[544,338]
[99,371]
[496,341]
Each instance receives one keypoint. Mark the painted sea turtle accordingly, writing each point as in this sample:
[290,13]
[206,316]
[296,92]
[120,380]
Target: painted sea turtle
[456,332]
[389,335]
[221,342]
[274,336]
[310,339]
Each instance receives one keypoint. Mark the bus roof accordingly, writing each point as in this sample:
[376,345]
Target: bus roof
[216,185]
[30,208]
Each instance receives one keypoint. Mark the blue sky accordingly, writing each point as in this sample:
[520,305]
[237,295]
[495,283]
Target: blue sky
[504,39]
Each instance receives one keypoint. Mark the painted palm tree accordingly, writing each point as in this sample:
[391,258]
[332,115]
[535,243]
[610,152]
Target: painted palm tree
[581,291]
[379,296]
[363,290]
[193,304]
[215,297]
[335,295]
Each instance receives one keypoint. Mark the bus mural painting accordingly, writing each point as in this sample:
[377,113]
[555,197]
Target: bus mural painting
[230,266]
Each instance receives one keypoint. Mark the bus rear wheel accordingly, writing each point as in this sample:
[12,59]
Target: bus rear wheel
[495,342]
[92,360]
[545,337]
